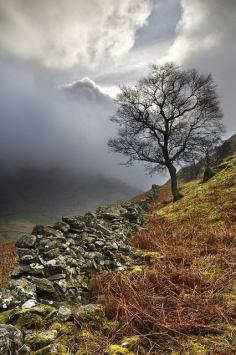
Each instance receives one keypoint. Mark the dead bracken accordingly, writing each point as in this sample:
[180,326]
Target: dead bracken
[172,291]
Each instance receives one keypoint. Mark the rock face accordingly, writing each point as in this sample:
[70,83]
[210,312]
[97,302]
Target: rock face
[56,263]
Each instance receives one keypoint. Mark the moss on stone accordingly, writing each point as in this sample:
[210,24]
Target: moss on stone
[4,316]
[88,343]
[119,350]
[146,257]
[29,321]
[30,318]
[64,328]
[41,309]
[55,349]
[128,346]
[108,327]
[135,270]
[92,315]
[132,342]
[37,340]
[152,257]
[45,307]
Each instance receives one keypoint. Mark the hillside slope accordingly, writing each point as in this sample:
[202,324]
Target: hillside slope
[185,304]
[227,148]
[177,293]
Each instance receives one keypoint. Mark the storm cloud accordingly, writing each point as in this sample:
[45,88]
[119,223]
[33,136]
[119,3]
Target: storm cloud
[62,33]
[59,59]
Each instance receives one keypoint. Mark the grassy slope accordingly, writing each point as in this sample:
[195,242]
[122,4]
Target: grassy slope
[186,303]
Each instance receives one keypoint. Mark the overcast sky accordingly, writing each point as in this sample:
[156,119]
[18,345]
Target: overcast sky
[59,61]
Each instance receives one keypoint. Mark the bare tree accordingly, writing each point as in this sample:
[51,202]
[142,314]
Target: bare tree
[165,118]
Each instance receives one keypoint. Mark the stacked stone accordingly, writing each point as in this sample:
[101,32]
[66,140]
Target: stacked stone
[56,263]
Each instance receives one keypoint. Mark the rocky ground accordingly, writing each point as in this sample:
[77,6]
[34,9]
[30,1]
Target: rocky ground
[53,274]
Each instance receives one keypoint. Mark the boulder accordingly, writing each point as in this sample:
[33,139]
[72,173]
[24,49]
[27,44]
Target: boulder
[30,318]
[7,299]
[10,339]
[37,340]
[91,314]
[47,231]
[26,241]
[64,314]
[74,222]
[43,285]
[62,226]
[34,269]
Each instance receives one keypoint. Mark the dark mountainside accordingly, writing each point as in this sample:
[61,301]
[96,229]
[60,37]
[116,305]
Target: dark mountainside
[30,196]
[191,172]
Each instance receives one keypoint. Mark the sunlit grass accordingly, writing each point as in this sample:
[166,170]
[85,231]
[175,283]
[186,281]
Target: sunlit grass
[186,302]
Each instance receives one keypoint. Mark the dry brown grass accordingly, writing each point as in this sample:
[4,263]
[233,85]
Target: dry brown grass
[180,297]
[8,260]
[188,298]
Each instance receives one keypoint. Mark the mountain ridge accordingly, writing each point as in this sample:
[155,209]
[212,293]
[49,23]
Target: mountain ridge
[32,196]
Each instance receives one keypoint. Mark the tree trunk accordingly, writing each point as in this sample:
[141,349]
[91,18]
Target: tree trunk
[174,184]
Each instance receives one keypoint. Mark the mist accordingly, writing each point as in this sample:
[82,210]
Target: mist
[44,125]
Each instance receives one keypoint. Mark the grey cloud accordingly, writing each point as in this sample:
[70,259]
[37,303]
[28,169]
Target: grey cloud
[205,39]
[151,42]
[87,89]
[66,33]
[204,25]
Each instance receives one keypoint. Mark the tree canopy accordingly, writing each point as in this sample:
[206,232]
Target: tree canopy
[167,118]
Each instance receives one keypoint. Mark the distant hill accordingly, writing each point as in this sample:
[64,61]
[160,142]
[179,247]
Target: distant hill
[29,196]
[191,172]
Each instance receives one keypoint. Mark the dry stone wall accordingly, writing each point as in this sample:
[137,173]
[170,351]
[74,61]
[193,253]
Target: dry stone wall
[56,263]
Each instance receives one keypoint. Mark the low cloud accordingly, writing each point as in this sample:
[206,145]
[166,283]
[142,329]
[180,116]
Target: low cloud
[44,126]
[87,89]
